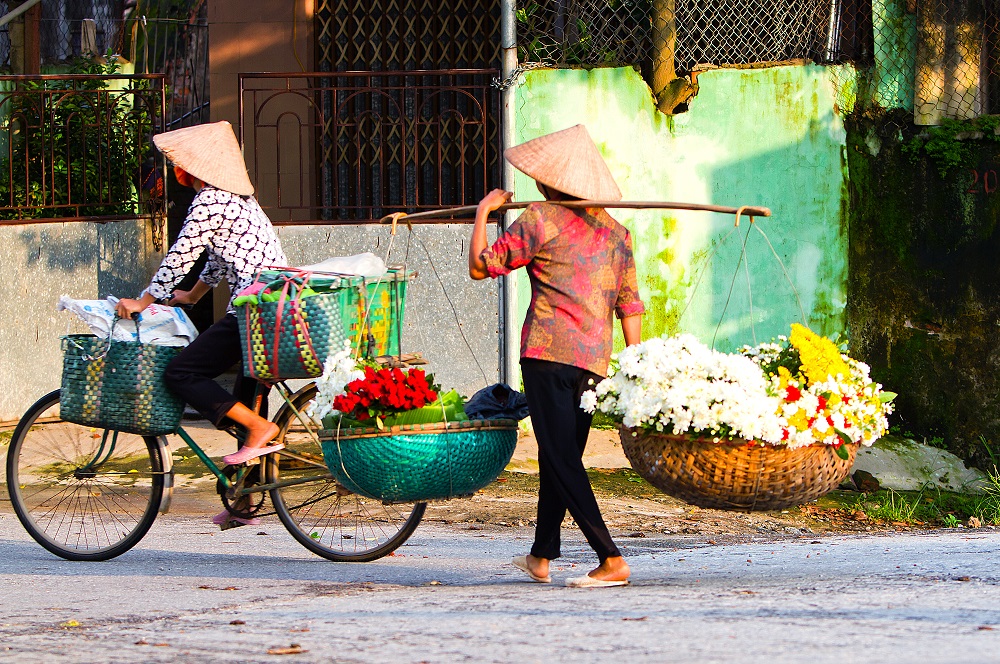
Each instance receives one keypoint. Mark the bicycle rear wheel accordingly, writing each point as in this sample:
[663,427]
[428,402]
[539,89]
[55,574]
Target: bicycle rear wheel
[80,492]
[323,516]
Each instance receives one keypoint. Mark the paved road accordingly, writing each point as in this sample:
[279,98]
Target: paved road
[189,593]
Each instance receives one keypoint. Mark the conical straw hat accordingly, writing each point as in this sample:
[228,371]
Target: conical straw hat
[210,152]
[569,161]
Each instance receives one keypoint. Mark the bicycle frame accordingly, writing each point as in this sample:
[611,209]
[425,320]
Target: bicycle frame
[235,485]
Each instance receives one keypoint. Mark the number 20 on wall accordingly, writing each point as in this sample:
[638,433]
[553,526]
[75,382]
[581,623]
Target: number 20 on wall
[982,182]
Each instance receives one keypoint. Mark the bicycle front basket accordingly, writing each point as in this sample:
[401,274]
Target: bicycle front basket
[118,385]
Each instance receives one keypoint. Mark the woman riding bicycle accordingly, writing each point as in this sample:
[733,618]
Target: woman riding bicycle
[225,220]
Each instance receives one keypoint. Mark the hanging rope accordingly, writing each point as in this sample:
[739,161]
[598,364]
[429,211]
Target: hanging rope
[748,210]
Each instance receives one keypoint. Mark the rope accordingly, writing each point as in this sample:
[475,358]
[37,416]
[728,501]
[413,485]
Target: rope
[795,292]
[722,316]
[454,310]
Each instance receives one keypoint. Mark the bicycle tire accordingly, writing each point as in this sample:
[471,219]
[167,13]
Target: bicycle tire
[72,506]
[321,515]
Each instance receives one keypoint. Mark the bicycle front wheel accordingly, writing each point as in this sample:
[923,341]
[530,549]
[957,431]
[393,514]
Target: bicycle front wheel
[323,516]
[80,492]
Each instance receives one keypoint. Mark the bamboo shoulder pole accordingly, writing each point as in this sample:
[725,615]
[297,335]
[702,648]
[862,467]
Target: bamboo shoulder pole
[465,210]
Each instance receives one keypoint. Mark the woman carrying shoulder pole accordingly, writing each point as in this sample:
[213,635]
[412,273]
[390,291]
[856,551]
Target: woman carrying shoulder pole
[582,273]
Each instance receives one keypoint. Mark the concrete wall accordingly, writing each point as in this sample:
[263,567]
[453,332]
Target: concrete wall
[43,261]
[438,313]
[772,137]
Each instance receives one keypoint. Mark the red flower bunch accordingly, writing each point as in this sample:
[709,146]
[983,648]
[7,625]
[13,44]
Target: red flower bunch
[385,391]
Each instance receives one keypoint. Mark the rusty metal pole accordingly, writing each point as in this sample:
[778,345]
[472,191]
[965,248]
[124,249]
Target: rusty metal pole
[33,40]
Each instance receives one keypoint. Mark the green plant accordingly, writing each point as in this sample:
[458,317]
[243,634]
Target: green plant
[950,521]
[616,25]
[988,508]
[889,506]
[75,147]
[949,145]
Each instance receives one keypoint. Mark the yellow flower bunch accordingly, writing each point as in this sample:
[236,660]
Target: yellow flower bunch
[820,357]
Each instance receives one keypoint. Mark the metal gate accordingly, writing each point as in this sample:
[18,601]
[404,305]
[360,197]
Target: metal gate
[415,124]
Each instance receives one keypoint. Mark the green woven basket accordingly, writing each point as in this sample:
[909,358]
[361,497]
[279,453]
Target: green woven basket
[422,461]
[310,330]
[368,312]
[118,385]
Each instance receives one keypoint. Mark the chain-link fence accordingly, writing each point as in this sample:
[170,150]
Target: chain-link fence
[693,32]
[935,58]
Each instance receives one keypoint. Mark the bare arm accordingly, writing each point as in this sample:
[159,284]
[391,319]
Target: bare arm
[632,329]
[198,291]
[478,244]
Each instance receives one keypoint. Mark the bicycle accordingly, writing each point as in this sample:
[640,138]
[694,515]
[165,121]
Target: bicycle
[92,494]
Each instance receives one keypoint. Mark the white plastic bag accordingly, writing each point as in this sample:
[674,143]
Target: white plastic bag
[158,324]
[362,265]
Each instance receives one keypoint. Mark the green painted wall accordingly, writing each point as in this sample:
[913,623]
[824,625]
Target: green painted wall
[770,137]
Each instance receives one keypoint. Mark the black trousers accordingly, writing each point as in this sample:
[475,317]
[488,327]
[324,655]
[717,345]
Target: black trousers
[561,428]
[191,374]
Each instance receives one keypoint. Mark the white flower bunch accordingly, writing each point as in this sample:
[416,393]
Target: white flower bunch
[338,370]
[679,385]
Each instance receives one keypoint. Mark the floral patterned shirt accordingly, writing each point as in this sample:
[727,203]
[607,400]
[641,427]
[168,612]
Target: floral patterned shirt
[581,269]
[234,231]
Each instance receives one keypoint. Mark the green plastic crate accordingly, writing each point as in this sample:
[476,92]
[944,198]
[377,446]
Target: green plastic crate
[371,309]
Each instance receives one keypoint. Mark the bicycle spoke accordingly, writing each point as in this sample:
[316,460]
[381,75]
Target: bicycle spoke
[82,493]
[322,515]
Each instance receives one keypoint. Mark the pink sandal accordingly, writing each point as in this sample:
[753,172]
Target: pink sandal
[245,454]
[224,516]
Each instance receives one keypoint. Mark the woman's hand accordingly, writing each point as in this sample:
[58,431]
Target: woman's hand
[494,200]
[490,202]
[127,307]
[182,297]
[192,296]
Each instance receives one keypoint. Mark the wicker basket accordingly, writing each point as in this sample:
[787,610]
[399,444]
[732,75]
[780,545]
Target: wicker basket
[118,385]
[291,338]
[734,475]
[420,462]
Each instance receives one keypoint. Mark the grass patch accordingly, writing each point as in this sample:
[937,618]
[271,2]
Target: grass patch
[5,437]
[921,508]
[603,421]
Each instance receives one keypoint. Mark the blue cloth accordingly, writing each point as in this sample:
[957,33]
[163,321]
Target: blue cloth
[497,402]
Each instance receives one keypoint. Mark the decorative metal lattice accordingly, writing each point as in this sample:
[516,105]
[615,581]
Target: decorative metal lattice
[386,35]
[396,141]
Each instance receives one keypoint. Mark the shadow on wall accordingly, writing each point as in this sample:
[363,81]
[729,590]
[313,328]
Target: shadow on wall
[116,250]
[795,263]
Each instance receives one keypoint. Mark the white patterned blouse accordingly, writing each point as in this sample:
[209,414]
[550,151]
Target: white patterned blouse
[234,231]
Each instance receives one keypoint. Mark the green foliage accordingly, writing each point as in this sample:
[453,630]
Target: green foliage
[950,145]
[578,45]
[604,421]
[73,143]
[889,506]
[988,508]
